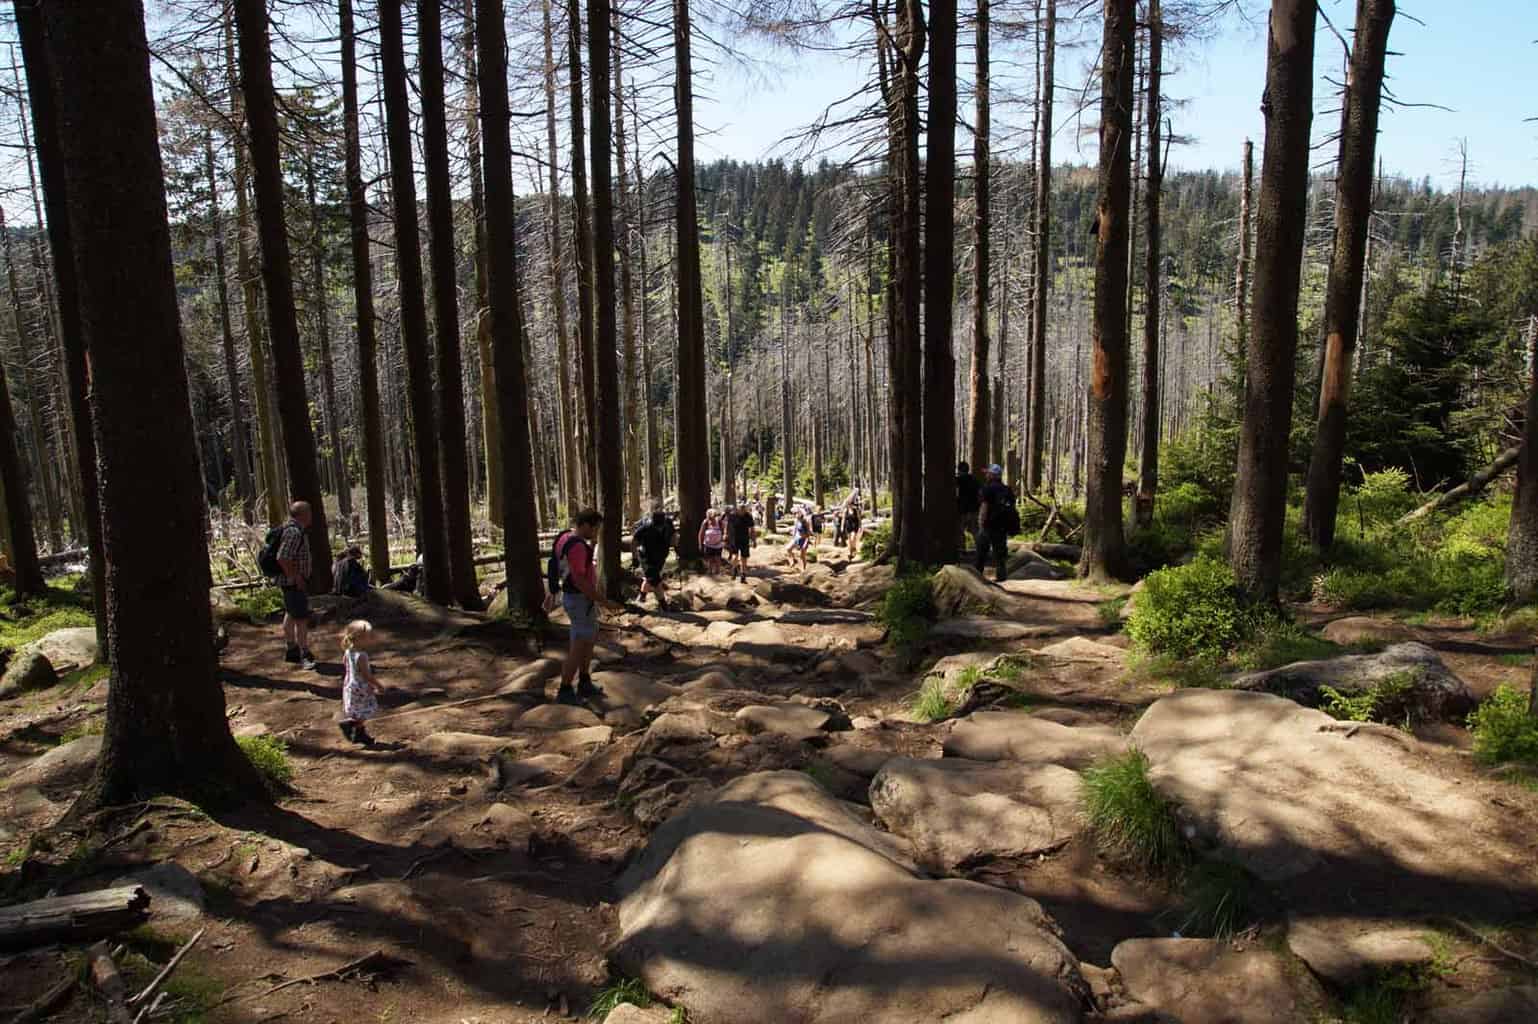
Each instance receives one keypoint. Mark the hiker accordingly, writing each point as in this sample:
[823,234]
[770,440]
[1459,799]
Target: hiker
[649,547]
[800,538]
[410,577]
[967,498]
[739,541]
[294,579]
[574,574]
[712,540]
[349,578]
[851,524]
[360,687]
[997,518]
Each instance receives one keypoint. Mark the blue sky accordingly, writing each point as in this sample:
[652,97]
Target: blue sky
[1477,57]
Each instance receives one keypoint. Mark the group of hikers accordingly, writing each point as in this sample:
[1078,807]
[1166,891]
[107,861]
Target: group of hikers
[726,538]
[988,515]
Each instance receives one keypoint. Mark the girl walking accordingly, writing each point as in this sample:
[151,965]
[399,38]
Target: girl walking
[360,687]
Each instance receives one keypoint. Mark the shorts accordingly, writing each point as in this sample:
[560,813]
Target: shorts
[296,603]
[739,548]
[653,572]
[799,543]
[712,552]
[583,615]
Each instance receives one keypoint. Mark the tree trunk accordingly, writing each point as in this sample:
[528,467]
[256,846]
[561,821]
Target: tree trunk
[45,123]
[914,545]
[583,246]
[18,509]
[1043,257]
[323,338]
[1104,545]
[653,442]
[979,405]
[1148,467]
[1522,534]
[363,301]
[27,345]
[691,456]
[166,729]
[438,585]
[526,591]
[787,433]
[622,240]
[940,515]
[227,336]
[1353,210]
[454,473]
[1242,272]
[480,323]
[277,274]
[1260,487]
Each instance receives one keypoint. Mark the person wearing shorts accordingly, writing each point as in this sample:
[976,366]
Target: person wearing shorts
[712,541]
[739,540]
[294,562]
[581,599]
[800,538]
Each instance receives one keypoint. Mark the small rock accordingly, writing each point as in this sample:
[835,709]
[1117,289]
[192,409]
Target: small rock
[175,893]
[576,739]
[629,1013]
[508,771]
[1209,981]
[860,760]
[1347,952]
[66,765]
[1019,736]
[506,822]
[1083,649]
[715,679]
[68,650]
[459,788]
[1517,1005]
[28,670]
[557,716]
[463,744]
[1364,629]
[632,690]
[863,722]
[794,720]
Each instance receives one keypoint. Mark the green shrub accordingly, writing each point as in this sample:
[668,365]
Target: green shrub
[1128,817]
[1388,701]
[625,990]
[1378,501]
[1189,610]
[1277,641]
[932,701]
[876,541]
[260,604]
[1503,729]
[1219,900]
[270,756]
[906,610]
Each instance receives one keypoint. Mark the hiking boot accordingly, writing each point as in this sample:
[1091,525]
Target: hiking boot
[566,695]
[361,737]
[307,660]
[349,731]
[291,655]
[587,689]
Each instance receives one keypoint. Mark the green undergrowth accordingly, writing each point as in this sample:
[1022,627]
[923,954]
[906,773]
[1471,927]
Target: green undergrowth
[1128,818]
[260,604]
[191,995]
[1389,996]
[1503,729]
[936,699]
[270,757]
[1265,641]
[1190,611]
[1390,701]
[1219,899]
[29,618]
[906,610]
[623,990]
[876,541]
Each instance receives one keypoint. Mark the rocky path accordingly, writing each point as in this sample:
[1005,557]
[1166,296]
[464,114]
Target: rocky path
[755,826]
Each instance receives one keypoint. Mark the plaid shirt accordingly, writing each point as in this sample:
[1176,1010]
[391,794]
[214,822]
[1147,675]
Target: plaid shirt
[295,548]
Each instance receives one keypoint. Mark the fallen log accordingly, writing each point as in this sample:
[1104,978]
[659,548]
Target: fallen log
[88,915]
[1058,552]
[1476,483]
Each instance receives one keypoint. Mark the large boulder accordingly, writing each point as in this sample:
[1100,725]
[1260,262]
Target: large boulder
[1501,1006]
[1082,650]
[1287,790]
[1430,690]
[798,721]
[770,901]
[1347,951]
[1019,736]
[67,650]
[978,627]
[28,670]
[1214,983]
[64,767]
[957,812]
[959,590]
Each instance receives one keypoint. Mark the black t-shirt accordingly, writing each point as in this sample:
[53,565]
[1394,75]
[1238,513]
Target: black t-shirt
[739,529]
[995,495]
[966,493]
[655,541]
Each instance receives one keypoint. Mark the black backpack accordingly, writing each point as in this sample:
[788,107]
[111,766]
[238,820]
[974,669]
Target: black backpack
[1009,515]
[267,558]
[555,579]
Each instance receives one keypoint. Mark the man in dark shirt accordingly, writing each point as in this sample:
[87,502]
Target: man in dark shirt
[651,545]
[294,561]
[967,491]
[996,518]
[739,540]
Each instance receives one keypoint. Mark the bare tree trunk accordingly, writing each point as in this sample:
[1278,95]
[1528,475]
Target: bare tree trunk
[1353,210]
[1522,534]
[437,582]
[692,453]
[243,482]
[583,247]
[940,513]
[277,274]
[1242,273]
[166,729]
[1043,256]
[914,545]
[34,405]
[323,336]
[622,238]
[1148,467]
[449,389]
[787,435]
[1104,544]
[1260,488]
[979,405]
[570,468]
[18,509]
[491,423]
[525,588]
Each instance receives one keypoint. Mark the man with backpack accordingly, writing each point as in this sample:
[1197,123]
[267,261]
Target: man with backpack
[739,541]
[649,547]
[997,519]
[286,556]
[573,574]
[967,497]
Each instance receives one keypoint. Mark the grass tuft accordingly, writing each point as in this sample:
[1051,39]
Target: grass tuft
[932,702]
[1128,817]
[625,990]
[1219,900]
[906,611]
[270,756]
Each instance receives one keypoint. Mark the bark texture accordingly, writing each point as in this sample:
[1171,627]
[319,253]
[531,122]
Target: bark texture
[1043,256]
[979,402]
[1148,466]
[691,456]
[611,471]
[940,513]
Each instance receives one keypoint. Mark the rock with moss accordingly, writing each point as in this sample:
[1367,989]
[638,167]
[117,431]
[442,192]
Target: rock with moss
[1349,951]
[28,670]
[67,650]
[1408,682]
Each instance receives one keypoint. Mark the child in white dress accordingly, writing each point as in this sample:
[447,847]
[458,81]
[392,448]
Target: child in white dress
[360,687]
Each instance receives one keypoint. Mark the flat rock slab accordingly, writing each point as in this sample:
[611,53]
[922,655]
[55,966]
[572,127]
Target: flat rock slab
[531,677]
[797,721]
[1364,629]
[1083,649]
[1502,1006]
[67,649]
[576,739]
[957,812]
[1434,692]
[1070,591]
[1348,951]
[522,771]
[1020,736]
[463,744]
[175,893]
[557,716]
[632,690]
[1287,790]
[825,617]
[863,761]
[1211,982]
[975,627]
[629,1013]
[66,765]
[505,822]
[769,901]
